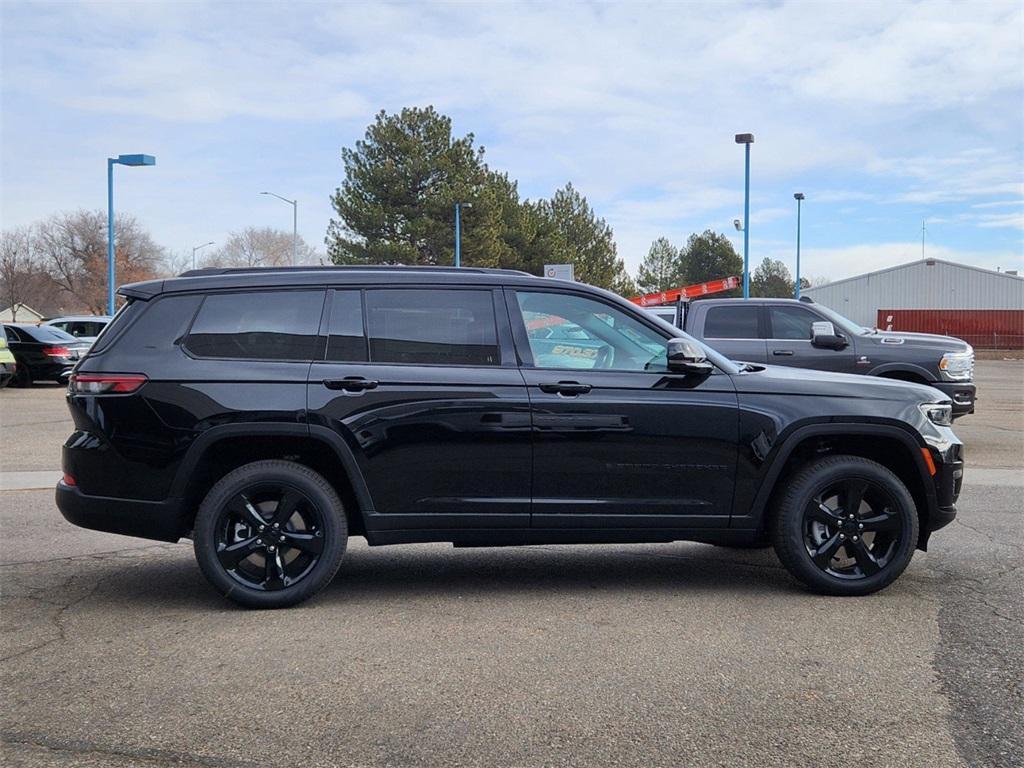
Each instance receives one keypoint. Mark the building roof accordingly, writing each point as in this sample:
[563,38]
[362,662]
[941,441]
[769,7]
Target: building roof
[916,263]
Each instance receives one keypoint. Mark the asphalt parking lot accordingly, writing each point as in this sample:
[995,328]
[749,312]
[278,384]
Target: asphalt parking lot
[117,653]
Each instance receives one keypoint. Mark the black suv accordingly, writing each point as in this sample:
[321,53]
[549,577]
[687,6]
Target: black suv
[270,414]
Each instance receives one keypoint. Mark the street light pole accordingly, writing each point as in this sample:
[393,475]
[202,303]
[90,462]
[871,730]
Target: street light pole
[458,232]
[746,139]
[198,248]
[799,196]
[295,223]
[133,160]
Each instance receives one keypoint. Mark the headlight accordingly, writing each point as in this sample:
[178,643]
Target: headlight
[938,413]
[957,366]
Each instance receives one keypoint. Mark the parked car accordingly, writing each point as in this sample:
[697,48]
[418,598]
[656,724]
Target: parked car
[42,353]
[802,334]
[8,366]
[269,414]
[82,327]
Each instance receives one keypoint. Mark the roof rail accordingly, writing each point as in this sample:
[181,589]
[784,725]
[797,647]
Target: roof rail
[206,271]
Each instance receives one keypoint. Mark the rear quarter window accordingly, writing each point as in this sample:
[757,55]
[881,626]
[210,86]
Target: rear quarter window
[260,325]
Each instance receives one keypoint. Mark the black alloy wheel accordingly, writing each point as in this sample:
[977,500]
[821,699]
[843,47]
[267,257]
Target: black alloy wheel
[845,525]
[270,534]
[851,529]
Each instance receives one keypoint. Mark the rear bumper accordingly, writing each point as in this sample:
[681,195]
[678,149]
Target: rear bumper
[963,395]
[159,520]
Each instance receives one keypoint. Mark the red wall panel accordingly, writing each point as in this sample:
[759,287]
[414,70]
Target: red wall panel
[982,328]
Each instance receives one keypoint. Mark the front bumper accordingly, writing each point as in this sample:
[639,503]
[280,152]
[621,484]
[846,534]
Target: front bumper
[962,393]
[159,520]
[948,479]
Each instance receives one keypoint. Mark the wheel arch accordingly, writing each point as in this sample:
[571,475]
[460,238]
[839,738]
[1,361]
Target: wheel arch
[892,447]
[221,449]
[904,372]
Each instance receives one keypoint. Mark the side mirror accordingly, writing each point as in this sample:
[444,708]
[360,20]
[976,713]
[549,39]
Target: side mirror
[823,335]
[687,358]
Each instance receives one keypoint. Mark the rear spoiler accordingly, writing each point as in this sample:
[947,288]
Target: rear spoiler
[142,291]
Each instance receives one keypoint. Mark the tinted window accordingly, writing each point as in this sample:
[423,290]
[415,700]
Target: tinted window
[346,341]
[568,331]
[447,327]
[265,325]
[792,322]
[731,323]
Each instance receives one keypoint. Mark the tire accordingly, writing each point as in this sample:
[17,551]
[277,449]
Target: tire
[826,549]
[22,376]
[241,516]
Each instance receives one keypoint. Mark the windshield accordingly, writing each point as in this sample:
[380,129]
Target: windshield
[843,323]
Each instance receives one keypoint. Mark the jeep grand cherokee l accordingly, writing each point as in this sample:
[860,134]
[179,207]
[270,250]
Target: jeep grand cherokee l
[269,414]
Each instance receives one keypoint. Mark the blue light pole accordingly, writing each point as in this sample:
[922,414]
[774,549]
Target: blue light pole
[111,161]
[458,232]
[746,139]
[798,196]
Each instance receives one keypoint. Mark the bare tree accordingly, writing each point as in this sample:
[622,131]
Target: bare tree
[16,267]
[260,247]
[73,249]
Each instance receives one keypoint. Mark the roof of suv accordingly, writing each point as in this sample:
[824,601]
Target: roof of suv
[779,300]
[272,277]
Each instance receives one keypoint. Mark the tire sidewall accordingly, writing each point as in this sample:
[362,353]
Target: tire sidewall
[789,528]
[282,473]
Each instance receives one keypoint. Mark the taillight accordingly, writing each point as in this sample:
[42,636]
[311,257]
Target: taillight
[105,384]
[57,351]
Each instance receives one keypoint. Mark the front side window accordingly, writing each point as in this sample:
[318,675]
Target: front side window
[261,325]
[792,322]
[732,322]
[567,331]
[432,327]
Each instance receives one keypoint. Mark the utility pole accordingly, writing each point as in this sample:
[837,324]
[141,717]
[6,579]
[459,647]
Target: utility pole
[922,241]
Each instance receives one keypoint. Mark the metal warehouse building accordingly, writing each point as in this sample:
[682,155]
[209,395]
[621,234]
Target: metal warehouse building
[983,307]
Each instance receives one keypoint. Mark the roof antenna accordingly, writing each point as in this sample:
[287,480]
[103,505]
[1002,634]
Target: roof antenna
[922,239]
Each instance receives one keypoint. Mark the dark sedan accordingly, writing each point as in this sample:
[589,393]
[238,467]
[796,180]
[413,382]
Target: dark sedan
[42,353]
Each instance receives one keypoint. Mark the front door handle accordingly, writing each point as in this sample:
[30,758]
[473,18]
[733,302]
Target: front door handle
[567,388]
[351,384]
[783,352]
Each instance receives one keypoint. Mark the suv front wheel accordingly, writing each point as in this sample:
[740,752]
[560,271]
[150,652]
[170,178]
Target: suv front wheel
[845,526]
[270,534]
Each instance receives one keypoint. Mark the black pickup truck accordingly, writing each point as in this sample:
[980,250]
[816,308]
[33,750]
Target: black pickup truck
[802,334]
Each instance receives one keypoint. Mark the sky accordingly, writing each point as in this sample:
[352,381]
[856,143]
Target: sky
[885,115]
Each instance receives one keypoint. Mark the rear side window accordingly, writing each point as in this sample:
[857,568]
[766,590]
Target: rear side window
[346,341]
[732,323]
[443,327]
[263,325]
[121,320]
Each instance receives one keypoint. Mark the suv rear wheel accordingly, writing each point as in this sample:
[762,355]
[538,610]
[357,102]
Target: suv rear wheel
[270,534]
[845,526]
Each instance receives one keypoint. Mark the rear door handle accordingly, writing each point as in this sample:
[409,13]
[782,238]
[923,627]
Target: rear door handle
[567,388]
[351,383]
[783,352]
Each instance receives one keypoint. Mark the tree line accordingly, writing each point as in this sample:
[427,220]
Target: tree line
[395,205]
[710,256]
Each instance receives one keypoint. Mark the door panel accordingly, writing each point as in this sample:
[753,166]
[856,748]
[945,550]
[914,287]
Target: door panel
[617,441]
[636,450]
[439,445]
[789,342]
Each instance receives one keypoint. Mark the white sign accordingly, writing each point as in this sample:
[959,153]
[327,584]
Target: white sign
[559,271]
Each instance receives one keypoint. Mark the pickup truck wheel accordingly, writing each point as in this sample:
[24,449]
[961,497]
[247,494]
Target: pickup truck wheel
[845,526]
[270,534]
